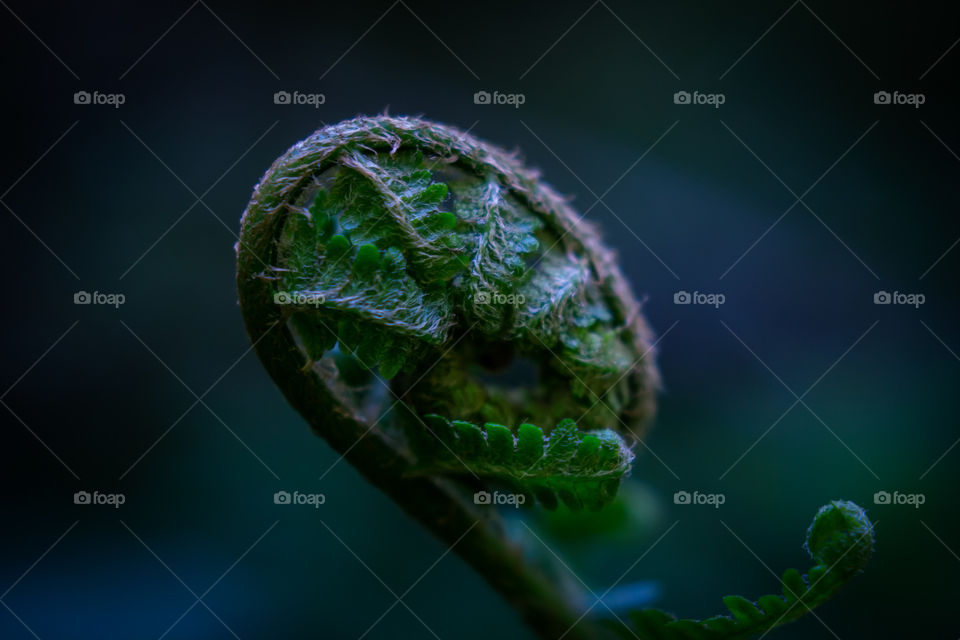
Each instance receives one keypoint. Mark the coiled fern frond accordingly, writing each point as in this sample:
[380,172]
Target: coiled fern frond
[840,541]
[404,283]
[410,260]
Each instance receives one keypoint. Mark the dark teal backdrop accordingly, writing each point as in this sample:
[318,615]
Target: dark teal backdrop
[798,198]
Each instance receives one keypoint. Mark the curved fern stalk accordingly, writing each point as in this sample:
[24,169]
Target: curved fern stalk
[408,262]
[840,540]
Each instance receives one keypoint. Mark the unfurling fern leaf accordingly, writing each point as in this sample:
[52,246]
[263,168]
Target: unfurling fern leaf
[389,270]
[409,260]
[840,541]
[582,469]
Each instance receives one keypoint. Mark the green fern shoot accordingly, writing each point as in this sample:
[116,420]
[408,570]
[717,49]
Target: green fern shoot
[448,322]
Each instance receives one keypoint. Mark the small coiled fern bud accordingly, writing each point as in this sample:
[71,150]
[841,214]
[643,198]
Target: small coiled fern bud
[841,538]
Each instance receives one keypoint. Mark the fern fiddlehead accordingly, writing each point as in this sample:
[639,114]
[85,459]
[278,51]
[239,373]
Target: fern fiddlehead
[840,541]
[408,252]
[389,269]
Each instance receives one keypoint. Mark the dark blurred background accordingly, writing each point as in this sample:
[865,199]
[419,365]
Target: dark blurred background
[143,199]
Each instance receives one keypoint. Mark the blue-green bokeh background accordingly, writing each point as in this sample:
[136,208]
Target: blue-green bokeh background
[595,103]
